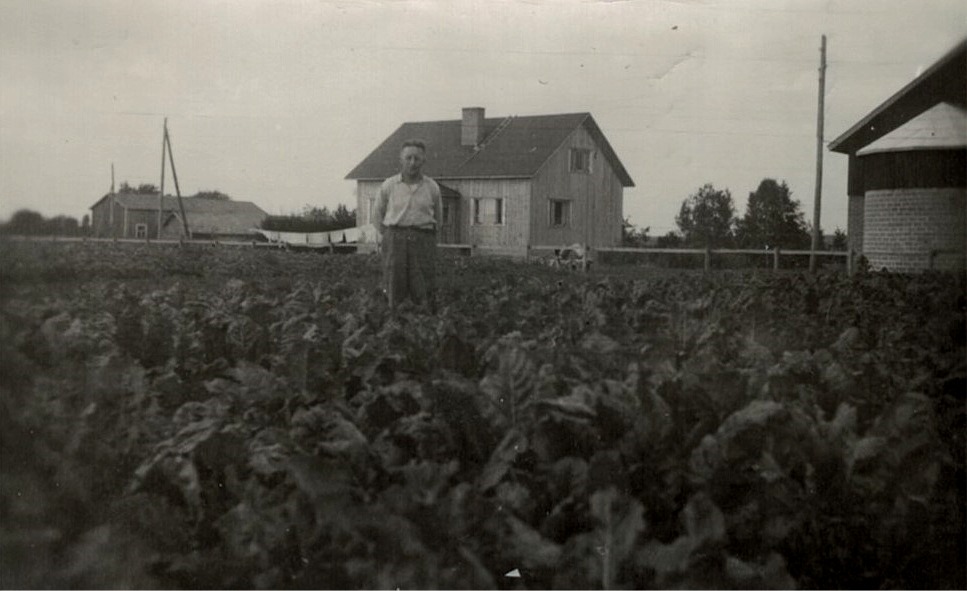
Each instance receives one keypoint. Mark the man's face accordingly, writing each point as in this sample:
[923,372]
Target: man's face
[411,160]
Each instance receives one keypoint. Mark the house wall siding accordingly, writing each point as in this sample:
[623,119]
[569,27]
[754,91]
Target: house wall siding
[100,219]
[365,191]
[508,238]
[511,237]
[101,225]
[595,198]
[140,216]
[902,227]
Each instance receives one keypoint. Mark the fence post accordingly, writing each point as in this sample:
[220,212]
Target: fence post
[708,259]
[775,258]
[849,262]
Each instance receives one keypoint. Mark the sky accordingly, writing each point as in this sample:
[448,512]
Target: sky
[274,102]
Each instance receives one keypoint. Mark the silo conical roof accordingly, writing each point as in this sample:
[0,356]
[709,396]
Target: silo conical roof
[941,127]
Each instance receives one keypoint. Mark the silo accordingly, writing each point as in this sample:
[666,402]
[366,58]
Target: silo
[915,193]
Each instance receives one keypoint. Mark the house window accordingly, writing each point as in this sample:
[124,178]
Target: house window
[580,160]
[488,211]
[560,213]
[369,212]
[141,230]
[447,212]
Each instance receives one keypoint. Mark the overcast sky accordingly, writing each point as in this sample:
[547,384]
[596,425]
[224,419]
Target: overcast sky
[274,102]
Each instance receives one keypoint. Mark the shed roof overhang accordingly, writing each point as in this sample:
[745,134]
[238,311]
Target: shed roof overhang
[944,81]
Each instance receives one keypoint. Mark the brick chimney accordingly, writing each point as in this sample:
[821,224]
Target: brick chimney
[472,128]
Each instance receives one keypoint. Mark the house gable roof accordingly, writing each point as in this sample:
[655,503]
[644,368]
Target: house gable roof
[942,127]
[944,80]
[513,147]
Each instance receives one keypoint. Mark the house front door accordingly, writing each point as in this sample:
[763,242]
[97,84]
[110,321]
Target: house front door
[450,230]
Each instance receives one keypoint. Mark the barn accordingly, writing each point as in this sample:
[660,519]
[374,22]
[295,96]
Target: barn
[908,173]
[135,215]
[511,182]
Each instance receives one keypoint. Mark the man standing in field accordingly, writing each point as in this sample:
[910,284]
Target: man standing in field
[407,216]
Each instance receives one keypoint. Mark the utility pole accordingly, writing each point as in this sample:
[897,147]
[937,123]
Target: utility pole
[161,189]
[817,201]
[174,174]
[111,202]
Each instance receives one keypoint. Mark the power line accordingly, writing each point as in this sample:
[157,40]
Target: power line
[653,56]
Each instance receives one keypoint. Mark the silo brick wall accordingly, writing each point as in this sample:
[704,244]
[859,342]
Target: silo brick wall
[911,230]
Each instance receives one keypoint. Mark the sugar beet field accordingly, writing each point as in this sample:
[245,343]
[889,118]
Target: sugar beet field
[230,417]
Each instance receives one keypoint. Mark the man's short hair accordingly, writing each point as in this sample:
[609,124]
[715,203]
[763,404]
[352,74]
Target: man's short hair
[415,143]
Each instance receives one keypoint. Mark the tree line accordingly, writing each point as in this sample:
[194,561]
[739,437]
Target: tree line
[26,222]
[149,189]
[312,219]
[707,219]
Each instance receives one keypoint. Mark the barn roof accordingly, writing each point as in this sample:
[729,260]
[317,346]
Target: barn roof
[945,80]
[219,223]
[192,204]
[204,215]
[518,149]
[942,127]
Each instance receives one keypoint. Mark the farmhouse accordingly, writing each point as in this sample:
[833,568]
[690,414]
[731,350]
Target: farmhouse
[908,173]
[135,215]
[511,182]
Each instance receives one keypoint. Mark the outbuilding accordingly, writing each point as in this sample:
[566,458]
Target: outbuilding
[135,215]
[908,173]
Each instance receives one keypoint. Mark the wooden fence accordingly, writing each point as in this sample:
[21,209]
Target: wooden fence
[775,253]
[707,254]
[471,250]
[331,246]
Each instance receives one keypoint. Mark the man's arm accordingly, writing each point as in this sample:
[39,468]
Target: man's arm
[438,211]
[379,210]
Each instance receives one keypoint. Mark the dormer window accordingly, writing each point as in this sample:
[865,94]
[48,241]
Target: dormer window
[581,160]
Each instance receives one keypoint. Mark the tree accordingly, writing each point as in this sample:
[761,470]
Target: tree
[634,237]
[772,219]
[840,240]
[142,189]
[25,222]
[313,219]
[343,218]
[62,225]
[30,223]
[669,240]
[316,214]
[217,195]
[707,217]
